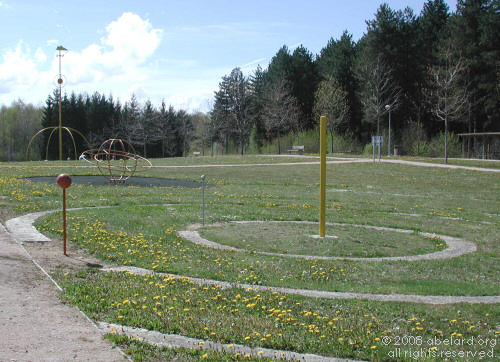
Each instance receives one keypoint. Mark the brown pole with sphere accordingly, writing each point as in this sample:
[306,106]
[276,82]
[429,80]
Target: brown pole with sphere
[64,181]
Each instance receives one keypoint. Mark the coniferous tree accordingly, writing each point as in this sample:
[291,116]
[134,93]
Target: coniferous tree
[185,131]
[256,84]
[393,36]
[304,78]
[338,60]
[233,108]
[433,27]
[132,125]
[475,28]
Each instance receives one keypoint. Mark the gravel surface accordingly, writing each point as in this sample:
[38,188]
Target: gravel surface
[34,324]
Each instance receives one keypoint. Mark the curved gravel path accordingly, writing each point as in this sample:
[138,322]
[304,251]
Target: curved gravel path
[412,298]
[456,246]
[23,227]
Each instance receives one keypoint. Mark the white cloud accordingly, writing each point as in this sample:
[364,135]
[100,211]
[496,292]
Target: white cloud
[18,69]
[52,42]
[131,39]
[127,43]
[5,5]
[138,90]
[40,56]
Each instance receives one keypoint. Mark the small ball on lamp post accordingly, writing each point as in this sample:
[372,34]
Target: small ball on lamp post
[64,181]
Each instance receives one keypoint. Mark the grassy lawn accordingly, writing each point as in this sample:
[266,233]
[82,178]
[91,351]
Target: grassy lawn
[302,239]
[140,229]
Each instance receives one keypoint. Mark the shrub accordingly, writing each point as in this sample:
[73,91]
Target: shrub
[436,146]
[414,140]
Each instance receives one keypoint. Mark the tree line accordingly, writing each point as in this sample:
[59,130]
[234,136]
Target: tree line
[434,72]
[153,131]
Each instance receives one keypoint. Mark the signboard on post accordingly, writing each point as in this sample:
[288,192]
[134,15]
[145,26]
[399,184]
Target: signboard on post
[377,141]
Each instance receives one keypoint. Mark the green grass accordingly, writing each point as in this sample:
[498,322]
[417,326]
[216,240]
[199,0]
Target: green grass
[302,239]
[140,230]
[141,351]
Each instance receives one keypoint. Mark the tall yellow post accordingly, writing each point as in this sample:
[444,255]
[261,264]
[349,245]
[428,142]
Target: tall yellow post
[322,178]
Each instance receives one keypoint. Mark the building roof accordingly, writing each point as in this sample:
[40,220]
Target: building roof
[481,134]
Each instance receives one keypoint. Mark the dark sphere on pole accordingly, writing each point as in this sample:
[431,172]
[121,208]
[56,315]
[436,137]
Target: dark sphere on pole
[64,181]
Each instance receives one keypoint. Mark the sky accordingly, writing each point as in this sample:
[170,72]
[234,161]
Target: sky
[176,51]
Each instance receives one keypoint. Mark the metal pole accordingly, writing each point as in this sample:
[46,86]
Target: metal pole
[203,200]
[373,147]
[322,183]
[389,140]
[64,220]
[60,82]
[64,181]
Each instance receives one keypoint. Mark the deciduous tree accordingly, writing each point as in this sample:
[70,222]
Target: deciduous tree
[332,102]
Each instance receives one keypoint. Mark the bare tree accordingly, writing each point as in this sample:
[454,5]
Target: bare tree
[331,102]
[281,111]
[448,94]
[380,90]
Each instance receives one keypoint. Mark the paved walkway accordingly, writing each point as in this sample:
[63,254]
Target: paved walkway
[34,324]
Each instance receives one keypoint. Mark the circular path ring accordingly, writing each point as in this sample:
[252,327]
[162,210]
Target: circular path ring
[456,246]
[22,229]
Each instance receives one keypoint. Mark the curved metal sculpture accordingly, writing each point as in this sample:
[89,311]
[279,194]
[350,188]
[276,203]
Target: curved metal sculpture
[116,160]
[54,129]
[59,81]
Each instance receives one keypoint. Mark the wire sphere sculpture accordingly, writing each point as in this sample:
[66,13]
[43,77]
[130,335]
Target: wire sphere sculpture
[116,160]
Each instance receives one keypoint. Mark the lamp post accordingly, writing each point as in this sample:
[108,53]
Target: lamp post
[388,107]
[60,82]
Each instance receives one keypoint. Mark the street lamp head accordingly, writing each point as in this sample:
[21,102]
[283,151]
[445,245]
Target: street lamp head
[387,107]
[203,177]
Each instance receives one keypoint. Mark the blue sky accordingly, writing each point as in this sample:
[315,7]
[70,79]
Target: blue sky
[161,49]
